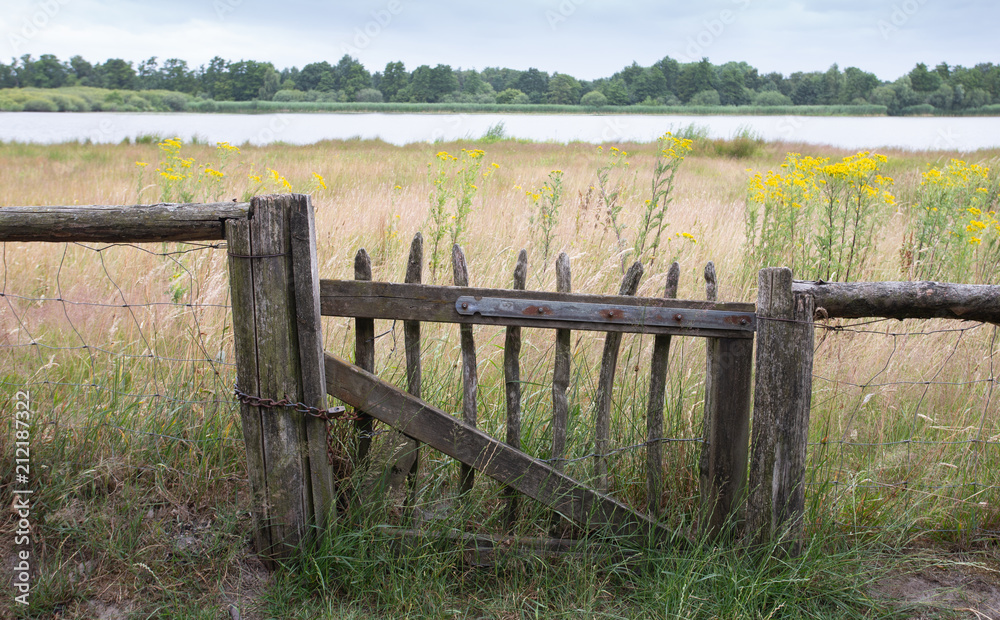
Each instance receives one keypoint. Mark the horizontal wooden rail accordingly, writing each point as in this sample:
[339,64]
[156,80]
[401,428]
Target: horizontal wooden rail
[383,300]
[459,440]
[120,224]
[903,300]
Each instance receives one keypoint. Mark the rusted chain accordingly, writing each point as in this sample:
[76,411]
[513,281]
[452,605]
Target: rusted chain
[327,415]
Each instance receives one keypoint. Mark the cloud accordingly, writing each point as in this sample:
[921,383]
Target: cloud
[585,38]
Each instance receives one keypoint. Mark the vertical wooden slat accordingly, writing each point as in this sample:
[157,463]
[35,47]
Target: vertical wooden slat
[654,416]
[512,379]
[268,366]
[248,378]
[470,377]
[726,427]
[364,354]
[560,371]
[605,385]
[305,270]
[411,341]
[706,459]
[782,397]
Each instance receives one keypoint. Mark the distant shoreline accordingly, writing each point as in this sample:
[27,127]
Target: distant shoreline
[87,99]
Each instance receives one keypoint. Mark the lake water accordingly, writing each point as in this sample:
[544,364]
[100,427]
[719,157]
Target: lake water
[915,133]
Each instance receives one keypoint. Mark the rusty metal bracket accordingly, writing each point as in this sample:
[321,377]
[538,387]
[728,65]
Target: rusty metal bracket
[596,313]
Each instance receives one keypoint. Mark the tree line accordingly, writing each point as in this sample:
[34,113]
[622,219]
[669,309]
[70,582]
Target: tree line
[667,82]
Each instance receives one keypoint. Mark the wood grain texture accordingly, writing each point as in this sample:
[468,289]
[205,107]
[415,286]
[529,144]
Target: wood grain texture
[723,471]
[657,394]
[384,300]
[121,224]
[411,342]
[305,271]
[586,507]
[605,385]
[782,396]
[247,377]
[470,375]
[364,354]
[561,371]
[265,303]
[904,300]
[512,380]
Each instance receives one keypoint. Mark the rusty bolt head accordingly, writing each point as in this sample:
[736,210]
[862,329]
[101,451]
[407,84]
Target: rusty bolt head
[678,317]
[541,310]
[744,321]
[465,305]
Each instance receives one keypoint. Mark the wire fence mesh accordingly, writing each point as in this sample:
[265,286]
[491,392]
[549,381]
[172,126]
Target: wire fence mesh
[128,349]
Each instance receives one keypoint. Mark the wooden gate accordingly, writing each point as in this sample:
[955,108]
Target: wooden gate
[277,303]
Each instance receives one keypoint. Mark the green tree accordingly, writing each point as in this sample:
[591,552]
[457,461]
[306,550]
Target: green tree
[808,88]
[500,78]
[394,79]
[564,89]
[147,74]
[706,97]
[441,81]
[671,70]
[533,83]
[732,90]
[48,72]
[858,84]
[350,76]
[924,81]
[214,80]
[83,71]
[694,78]
[615,92]
[512,96]
[7,76]
[650,84]
[118,74]
[594,99]
[175,75]
[271,85]
[314,74]
[247,78]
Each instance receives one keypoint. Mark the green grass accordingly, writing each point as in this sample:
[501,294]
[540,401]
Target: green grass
[142,502]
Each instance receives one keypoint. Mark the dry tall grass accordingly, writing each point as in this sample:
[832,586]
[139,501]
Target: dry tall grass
[947,483]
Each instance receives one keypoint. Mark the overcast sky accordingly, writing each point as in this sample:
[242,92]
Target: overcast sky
[585,38]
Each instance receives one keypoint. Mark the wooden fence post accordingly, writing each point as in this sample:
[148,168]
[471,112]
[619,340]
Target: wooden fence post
[364,357]
[512,381]
[470,376]
[782,397]
[723,464]
[272,267]
[605,385]
[411,342]
[658,365]
[561,371]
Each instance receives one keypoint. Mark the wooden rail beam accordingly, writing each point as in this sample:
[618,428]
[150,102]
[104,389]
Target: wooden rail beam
[383,300]
[121,224]
[903,300]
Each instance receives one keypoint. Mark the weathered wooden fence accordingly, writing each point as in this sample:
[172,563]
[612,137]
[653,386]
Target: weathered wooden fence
[284,376]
